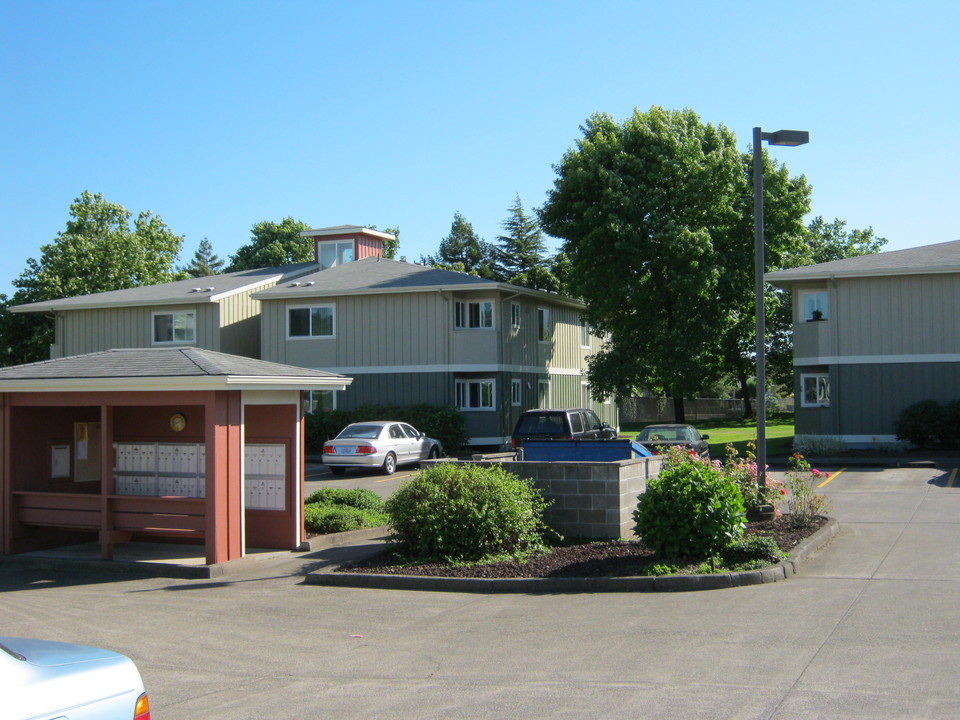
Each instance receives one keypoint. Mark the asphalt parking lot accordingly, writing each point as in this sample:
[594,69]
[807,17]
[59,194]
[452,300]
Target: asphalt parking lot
[870,628]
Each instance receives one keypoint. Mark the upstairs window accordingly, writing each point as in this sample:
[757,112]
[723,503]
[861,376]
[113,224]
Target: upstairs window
[334,252]
[174,327]
[310,322]
[813,305]
[584,333]
[515,316]
[544,331]
[474,315]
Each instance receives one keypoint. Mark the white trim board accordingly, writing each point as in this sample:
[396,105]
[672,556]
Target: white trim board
[876,359]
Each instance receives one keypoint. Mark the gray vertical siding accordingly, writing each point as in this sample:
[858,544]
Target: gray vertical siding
[85,331]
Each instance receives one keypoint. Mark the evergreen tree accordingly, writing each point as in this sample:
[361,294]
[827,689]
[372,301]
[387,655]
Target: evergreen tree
[204,261]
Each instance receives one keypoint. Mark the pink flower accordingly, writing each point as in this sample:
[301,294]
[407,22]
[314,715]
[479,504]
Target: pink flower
[816,473]
[782,491]
[796,456]
[827,475]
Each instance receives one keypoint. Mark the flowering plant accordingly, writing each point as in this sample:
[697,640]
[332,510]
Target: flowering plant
[803,504]
[743,471]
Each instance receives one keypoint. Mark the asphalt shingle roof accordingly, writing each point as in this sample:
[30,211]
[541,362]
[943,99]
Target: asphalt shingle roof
[373,274]
[192,290]
[939,258]
[183,362]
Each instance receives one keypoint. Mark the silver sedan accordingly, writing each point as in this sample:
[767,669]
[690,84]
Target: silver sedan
[385,444]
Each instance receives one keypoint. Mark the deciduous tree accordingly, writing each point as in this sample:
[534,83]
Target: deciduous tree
[98,250]
[654,215]
[273,244]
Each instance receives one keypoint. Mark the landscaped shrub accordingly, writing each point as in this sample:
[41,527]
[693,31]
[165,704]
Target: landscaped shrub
[356,498]
[691,511]
[467,513]
[331,510]
[323,519]
[444,423]
[818,444]
[756,550]
[951,426]
[922,424]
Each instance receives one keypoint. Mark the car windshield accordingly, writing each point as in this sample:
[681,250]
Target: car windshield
[662,433]
[541,423]
[367,432]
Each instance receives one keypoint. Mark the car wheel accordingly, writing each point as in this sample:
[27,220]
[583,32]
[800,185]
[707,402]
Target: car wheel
[389,464]
[338,470]
[434,453]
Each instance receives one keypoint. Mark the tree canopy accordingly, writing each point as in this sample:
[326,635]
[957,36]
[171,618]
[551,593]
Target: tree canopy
[656,217]
[98,250]
[273,244]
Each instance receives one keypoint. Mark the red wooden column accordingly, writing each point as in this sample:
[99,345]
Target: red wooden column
[224,483]
[107,534]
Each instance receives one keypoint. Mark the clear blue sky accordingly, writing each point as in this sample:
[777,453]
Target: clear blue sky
[217,115]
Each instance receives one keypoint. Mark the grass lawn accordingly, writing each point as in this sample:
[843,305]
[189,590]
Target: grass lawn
[737,433]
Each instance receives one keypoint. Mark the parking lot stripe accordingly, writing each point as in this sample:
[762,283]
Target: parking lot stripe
[953,476]
[831,478]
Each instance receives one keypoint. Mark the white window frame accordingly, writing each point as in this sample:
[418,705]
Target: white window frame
[174,314]
[463,394]
[822,388]
[338,250]
[314,401]
[585,396]
[584,333]
[516,392]
[516,314]
[463,315]
[544,328]
[311,336]
[820,300]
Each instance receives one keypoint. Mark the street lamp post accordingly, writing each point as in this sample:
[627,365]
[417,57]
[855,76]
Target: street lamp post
[788,138]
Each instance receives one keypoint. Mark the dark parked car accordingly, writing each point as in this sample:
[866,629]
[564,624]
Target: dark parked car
[579,424]
[657,437]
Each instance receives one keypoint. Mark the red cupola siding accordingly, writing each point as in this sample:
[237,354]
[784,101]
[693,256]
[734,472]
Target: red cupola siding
[345,243]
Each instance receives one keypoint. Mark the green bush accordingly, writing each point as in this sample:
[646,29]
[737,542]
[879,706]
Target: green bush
[756,550]
[922,424]
[323,519]
[951,425]
[691,511]
[467,513]
[355,498]
[444,423]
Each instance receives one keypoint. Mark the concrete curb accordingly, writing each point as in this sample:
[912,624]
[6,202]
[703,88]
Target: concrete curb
[671,583]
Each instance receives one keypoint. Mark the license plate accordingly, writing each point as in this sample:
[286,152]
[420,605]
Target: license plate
[345,449]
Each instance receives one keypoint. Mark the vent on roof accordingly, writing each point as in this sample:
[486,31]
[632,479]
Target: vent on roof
[295,284]
[309,283]
[194,289]
[209,289]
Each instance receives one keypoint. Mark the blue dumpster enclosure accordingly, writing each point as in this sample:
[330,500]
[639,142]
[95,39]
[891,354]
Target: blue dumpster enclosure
[582,450]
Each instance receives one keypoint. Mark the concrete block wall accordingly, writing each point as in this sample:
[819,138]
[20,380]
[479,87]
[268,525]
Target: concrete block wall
[588,499]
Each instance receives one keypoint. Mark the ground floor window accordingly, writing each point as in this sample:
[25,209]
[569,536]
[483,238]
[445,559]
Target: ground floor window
[321,401]
[815,390]
[516,391]
[476,394]
[543,393]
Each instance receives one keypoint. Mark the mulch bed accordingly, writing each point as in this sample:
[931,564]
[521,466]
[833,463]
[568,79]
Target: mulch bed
[613,558]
